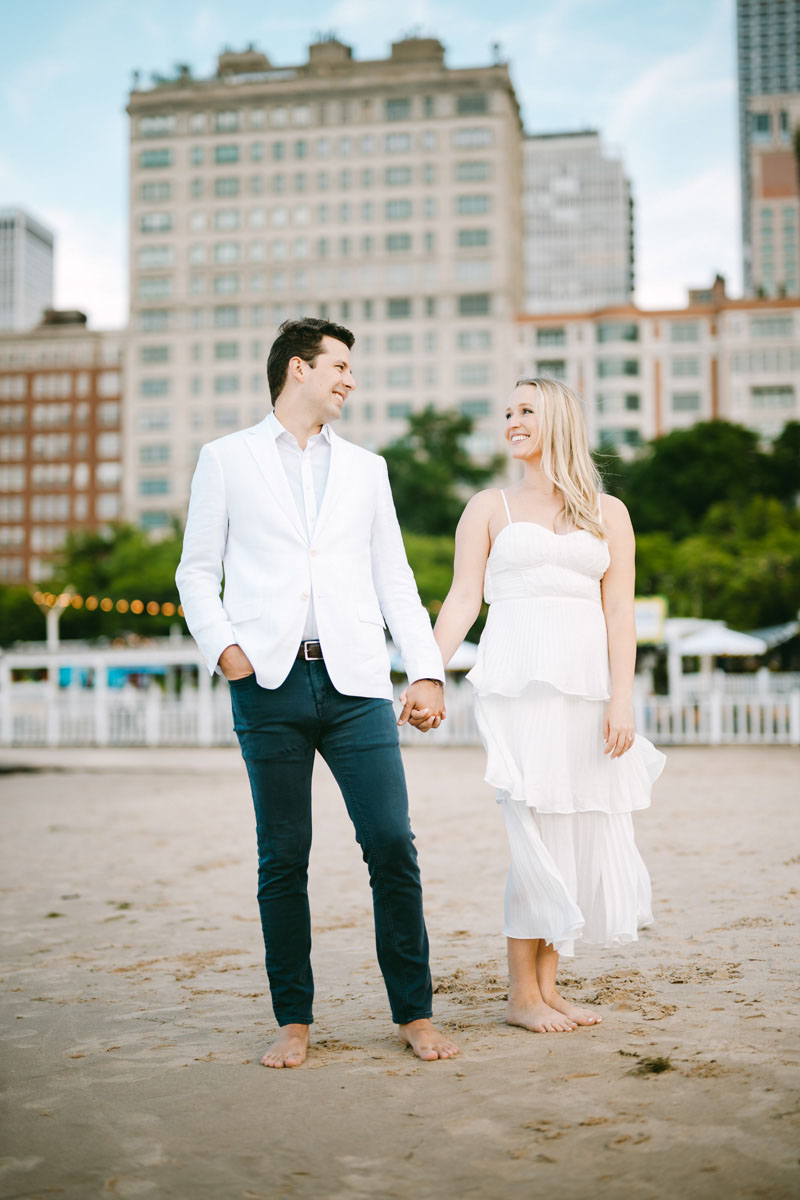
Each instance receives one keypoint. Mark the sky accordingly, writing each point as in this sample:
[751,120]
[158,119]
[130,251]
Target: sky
[657,78]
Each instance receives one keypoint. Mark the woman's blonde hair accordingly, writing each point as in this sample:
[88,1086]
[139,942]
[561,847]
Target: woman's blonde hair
[566,461]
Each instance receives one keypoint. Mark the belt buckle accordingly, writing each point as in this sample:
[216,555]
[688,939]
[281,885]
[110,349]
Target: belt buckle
[306,655]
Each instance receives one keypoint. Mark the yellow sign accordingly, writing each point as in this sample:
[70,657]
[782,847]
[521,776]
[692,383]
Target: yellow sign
[650,613]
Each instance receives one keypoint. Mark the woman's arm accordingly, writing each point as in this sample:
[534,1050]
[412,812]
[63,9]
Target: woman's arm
[463,603]
[617,589]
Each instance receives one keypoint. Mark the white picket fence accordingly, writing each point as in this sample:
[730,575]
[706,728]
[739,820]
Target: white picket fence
[34,716]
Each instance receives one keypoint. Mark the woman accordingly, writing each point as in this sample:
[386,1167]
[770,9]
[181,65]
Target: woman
[554,698]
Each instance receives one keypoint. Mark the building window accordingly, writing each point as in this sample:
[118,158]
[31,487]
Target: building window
[472,104]
[226,418]
[150,257]
[226,218]
[683,367]
[400,377]
[473,373]
[398,210]
[226,154]
[608,368]
[226,316]
[226,284]
[772,326]
[475,408]
[152,193]
[399,343]
[396,242]
[154,354]
[397,176]
[470,206]
[780,395]
[226,121]
[160,125]
[473,237]
[197,156]
[398,307]
[470,139]
[555,336]
[154,387]
[155,486]
[226,350]
[226,185]
[616,402]
[155,158]
[474,304]
[551,368]
[155,222]
[301,149]
[154,453]
[154,320]
[684,331]
[611,439]
[616,331]
[226,383]
[398,143]
[226,252]
[686,402]
[397,110]
[761,126]
[157,288]
[398,412]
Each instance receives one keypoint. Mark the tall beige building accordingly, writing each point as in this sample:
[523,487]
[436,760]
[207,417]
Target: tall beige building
[384,194]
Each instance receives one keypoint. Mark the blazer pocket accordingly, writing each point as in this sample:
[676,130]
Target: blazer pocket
[368,612]
[246,611]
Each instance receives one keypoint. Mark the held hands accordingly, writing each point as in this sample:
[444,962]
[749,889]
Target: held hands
[423,705]
[618,727]
[234,663]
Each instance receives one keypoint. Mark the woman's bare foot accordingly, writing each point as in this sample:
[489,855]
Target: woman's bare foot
[581,1016]
[539,1018]
[290,1048]
[426,1041]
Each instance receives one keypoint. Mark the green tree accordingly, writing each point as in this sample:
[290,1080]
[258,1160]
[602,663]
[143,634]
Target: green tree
[431,472]
[679,476]
[121,563]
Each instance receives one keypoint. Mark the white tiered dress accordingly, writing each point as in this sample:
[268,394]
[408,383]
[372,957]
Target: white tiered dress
[541,685]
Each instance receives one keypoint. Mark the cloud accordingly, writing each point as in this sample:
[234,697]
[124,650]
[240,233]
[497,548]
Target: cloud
[90,270]
[686,233]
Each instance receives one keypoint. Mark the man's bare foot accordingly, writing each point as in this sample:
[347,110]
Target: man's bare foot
[426,1041]
[581,1016]
[290,1049]
[539,1018]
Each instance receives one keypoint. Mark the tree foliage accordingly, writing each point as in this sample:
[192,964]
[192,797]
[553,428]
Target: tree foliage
[431,472]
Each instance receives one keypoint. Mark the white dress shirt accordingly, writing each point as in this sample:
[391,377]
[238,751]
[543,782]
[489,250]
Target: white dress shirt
[307,474]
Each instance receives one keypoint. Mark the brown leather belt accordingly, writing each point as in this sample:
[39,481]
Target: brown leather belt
[310,652]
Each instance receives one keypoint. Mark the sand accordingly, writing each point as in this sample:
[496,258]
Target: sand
[135,1007]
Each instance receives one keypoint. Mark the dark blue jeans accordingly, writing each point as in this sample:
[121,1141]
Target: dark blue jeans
[279,731]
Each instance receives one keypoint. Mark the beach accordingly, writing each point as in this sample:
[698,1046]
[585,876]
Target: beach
[135,1007]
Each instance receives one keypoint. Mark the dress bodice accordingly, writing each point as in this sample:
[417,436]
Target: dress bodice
[528,561]
[545,619]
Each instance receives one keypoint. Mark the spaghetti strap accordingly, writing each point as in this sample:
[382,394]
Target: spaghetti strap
[505,503]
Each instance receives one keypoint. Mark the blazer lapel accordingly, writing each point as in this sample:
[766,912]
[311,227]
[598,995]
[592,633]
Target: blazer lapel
[262,446]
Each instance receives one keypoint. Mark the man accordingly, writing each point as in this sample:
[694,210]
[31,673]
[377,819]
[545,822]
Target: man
[303,526]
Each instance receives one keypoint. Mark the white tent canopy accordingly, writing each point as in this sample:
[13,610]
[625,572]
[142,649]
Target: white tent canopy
[719,639]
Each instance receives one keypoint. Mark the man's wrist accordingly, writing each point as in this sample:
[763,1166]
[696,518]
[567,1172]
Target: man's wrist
[437,681]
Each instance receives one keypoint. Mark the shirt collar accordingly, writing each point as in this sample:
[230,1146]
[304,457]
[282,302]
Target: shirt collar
[275,428]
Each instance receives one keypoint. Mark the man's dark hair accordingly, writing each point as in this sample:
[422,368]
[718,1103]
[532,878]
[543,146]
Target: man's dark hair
[300,339]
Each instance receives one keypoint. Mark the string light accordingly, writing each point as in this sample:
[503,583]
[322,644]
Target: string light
[152,608]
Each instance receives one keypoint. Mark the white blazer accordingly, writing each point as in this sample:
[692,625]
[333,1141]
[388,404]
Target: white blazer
[243,522]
